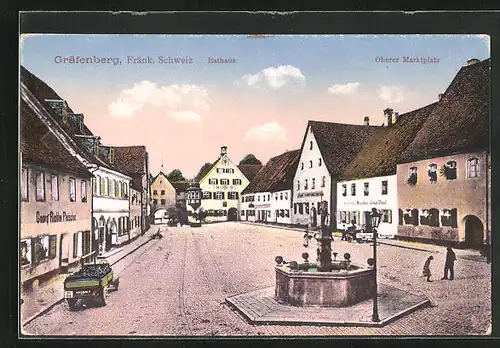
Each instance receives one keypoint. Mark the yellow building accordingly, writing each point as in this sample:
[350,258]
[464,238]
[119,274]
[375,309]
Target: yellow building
[163,196]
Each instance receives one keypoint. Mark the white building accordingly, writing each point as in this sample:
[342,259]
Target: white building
[326,148]
[268,198]
[370,181]
[221,189]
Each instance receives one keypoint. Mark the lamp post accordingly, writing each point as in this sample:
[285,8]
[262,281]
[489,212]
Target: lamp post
[375,220]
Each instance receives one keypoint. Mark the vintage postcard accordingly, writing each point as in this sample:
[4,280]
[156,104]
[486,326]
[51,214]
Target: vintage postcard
[254,185]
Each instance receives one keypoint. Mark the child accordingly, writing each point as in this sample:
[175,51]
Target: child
[306,240]
[427,271]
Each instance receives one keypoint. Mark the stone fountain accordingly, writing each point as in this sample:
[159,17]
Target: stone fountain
[328,283]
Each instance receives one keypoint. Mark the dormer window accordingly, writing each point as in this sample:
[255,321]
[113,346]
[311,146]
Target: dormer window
[472,167]
[432,171]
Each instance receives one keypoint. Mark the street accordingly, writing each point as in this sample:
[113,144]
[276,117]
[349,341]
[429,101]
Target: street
[177,285]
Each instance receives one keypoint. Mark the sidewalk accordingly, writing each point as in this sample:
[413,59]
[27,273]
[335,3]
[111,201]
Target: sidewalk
[40,300]
[467,254]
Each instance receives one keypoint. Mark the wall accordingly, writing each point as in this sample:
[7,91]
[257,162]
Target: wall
[467,195]
[161,183]
[320,193]
[135,213]
[375,199]
[286,204]
[67,219]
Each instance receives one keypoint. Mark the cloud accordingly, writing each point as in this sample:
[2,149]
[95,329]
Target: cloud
[392,93]
[345,89]
[274,77]
[271,131]
[172,98]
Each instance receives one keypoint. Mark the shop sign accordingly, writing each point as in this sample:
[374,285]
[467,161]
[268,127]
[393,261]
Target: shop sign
[310,194]
[262,206]
[378,202]
[54,217]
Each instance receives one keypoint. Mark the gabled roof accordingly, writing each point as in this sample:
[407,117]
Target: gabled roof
[180,186]
[131,160]
[157,175]
[460,121]
[339,143]
[379,155]
[276,175]
[39,145]
[43,92]
[249,170]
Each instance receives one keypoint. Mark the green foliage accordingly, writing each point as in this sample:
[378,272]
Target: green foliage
[202,172]
[250,159]
[175,175]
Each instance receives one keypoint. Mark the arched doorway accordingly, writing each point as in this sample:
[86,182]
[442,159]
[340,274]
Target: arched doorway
[232,214]
[160,216]
[474,231]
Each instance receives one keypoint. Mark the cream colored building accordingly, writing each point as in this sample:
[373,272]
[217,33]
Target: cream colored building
[163,197]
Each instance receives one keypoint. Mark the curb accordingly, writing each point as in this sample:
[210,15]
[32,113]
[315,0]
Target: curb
[407,247]
[47,309]
[273,226]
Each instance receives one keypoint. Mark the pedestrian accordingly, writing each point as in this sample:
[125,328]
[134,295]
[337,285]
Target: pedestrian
[427,270]
[306,240]
[449,263]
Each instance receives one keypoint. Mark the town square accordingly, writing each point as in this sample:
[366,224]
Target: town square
[219,191]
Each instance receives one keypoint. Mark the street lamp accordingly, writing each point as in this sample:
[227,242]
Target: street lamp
[375,221]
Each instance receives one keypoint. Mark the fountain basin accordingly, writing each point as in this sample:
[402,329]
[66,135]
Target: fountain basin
[338,288]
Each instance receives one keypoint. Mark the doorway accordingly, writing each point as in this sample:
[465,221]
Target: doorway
[232,214]
[474,231]
[63,252]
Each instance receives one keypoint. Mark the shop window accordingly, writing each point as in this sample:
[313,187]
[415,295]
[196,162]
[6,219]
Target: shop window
[40,186]
[84,191]
[432,172]
[414,216]
[384,187]
[268,213]
[268,197]
[323,181]
[313,183]
[412,176]
[472,167]
[54,187]
[86,242]
[366,191]
[295,208]
[52,247]
[287,213]
[449,170]
[24,184]
[353,189]
[72,190]
[25,252]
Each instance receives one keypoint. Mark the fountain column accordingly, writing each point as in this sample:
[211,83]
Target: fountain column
[324,260]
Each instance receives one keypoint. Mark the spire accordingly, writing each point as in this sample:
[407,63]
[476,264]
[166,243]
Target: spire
[162,164]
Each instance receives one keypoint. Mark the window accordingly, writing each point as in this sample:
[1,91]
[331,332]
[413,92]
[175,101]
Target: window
[72,189]
[102,185]
[155,192]
[353,189]
[295,208]
[298,185]
[384,187]
[412,176]
[163,201]
[107,190]
[323,181]
[313,183]
[472,167]
[40,248]
[275,196]
[433,217]
[310,164]
[305,184]
[40,186]
[24,183]
[310,145]
[54,187]
[366,191]
[268,197]
[75,245]
[155,201]
[219,195]
[286,195]
[207,195]
[306,207]
[25,252]
[117,189]
[84,191]
[301,208]
[432,171]
[387,216]
[242,213]
[281,196]
[125,190]
[224,181]
[232,195]
[320,162]
[236,181]
[302,166]
[86,242]
[212,181]
[287,213]
[162,192]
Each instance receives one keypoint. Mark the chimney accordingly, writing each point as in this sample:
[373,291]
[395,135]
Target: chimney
[388,116]
[367,121]
[395,117]
[223,150]
[440,96]
[473,61]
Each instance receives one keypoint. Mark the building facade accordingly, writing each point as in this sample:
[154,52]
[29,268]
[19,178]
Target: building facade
[221,189]
[163,196]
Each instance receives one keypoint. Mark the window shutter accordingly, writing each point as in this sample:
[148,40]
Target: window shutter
[414,215]
[75,245]
[52,247]
[400,216]
[454,218]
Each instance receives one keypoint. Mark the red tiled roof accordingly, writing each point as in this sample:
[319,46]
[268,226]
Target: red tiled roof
[131,160]
[276,175]
[249,170]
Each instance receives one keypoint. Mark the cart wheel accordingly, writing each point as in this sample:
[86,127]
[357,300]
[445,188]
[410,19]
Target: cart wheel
[103,296]
[72,303]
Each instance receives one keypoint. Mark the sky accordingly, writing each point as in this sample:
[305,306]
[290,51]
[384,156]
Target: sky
[163,92]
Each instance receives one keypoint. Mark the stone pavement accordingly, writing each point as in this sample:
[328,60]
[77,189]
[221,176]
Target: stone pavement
[42,298]
[261,307]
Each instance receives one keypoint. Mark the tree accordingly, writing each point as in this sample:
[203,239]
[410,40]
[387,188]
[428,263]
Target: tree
[175,175]
[203,171]
[250,159]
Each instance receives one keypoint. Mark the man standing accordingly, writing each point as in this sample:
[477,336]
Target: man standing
[450,262]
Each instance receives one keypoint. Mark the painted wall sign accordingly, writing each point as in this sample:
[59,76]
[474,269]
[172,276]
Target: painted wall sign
[310,194]
[54,217]
[378,202]
[262,206]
